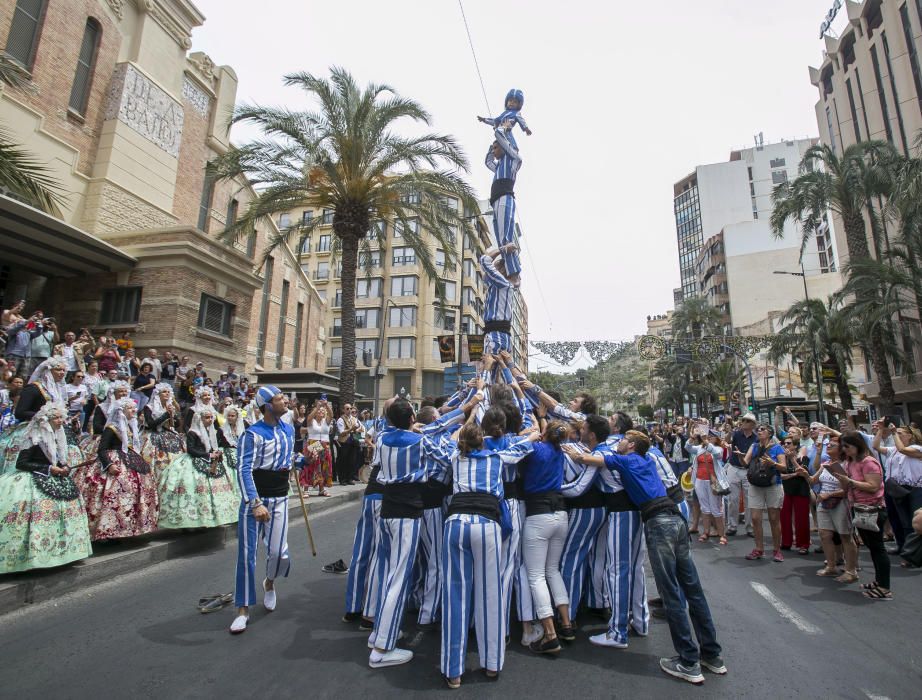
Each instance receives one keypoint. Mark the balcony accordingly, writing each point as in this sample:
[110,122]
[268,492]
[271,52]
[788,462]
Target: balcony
[336,332]
[321,275]
[403,260]
[334,362]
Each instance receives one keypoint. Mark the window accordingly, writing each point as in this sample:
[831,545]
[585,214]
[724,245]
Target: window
[449,289]
[299,330]
[323,271]
[305,245]
[366,318]
[468,242]
[338,299]
[403,286]
[369,259]
[378,228]
[369,345]
[468,325]
[854,111]
[411,198]
[284,220]
[440,258]
[120,305]
[445,319]
[402,316]
[263,331]
[468,296]
[881,95]
[404,256]
[323,244]
[24,31]
[401,348]
[411,225]
[338,272]
[337,330]
[336,357]
[368,288]
[468,268]
[251,244]
[322,293]
[204,207]
[436,355]
[307,218]
[83,77]
[214,315]
[433,383]
[403,380]
[233,206]
[775,163]
[779,176]
[283,326]
[327,217]
[450,202]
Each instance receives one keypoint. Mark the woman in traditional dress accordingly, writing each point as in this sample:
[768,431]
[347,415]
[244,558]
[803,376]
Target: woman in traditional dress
[204,398]
[43,521]
[161,416]
[46,385]
[228,436]
[117,391]
[119,490]
[196,488]
[319,471]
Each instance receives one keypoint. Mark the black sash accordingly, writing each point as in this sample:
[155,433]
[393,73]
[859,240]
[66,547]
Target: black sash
[484,504]
[271,484]
[402,501]
[619,502]
[501,186]
[591,498]
[497,327]
[433,493]
[373,487]
[543,503]
[511,490]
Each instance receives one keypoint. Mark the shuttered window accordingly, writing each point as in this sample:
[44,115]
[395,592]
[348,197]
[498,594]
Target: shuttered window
[215,315]
[83,78]
[121,305]
[23,38]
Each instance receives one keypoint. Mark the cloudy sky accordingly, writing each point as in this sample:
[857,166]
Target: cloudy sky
[623,98]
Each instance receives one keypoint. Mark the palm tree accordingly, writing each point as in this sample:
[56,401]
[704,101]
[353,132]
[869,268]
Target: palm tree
[345,157]
[694,319]
[814,328]
[20,174]
[845,185]
[722,379]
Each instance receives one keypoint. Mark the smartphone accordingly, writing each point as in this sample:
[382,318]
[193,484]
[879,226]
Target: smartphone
[895,421]
[836,468]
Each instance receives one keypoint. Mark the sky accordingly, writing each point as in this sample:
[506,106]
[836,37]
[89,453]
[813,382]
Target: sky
[624,99]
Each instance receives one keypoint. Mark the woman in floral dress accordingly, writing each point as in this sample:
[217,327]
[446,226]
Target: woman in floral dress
[161,417]
[319,471]
[42,520]
[119,489]
[196,488]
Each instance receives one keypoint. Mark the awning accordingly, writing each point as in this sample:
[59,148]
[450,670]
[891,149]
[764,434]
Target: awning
[301,381]
[40,243]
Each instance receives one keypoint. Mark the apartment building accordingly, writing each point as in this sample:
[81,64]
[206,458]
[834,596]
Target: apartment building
[398,317]
[126,118]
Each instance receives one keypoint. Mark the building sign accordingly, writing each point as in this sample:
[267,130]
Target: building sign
[830,17]
[147,109]
[475,347]
[446,348]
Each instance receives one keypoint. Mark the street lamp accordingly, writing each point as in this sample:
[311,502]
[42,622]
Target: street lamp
[817,369]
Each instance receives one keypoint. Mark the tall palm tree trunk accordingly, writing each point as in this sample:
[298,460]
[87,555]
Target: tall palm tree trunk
[350,256]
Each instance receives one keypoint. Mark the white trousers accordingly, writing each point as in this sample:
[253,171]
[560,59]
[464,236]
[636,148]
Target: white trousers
[543,542]
[709,502]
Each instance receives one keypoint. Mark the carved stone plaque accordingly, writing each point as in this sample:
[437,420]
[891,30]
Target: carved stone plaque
[140,104]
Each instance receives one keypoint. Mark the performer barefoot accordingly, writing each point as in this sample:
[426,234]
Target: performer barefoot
[264,462]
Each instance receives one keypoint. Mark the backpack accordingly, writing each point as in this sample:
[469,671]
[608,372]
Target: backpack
[760,474]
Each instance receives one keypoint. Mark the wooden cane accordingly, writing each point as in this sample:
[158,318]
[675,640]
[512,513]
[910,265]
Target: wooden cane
[310,534]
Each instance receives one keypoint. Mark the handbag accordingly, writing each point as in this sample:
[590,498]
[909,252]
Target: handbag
[864,517]
[719,486]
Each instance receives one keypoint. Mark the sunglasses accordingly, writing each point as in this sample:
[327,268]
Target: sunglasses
[788,442]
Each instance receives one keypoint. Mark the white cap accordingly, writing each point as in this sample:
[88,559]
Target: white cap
[748,416]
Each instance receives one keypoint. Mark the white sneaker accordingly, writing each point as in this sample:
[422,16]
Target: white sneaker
[531,632]
[371,639]
[239,624]
[606,640]
[270,599]
[394,657]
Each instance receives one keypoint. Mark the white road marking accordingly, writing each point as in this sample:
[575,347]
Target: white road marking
[874,696]
[785,612]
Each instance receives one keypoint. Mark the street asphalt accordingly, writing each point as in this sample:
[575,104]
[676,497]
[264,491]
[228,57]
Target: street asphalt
[785,632]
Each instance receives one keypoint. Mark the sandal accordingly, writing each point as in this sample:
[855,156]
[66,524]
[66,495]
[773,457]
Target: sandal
[723,541]
[803,550]
[877,594]
[869,586]
[827,572]
[453,683]
[847,577]
[703,538]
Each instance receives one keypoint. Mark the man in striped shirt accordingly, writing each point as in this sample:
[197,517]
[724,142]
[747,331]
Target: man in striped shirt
[504,160]
[497,312]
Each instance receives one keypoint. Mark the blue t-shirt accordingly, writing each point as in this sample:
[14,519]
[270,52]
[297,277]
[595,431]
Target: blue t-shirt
[774,452]
[638,476]
[543,469]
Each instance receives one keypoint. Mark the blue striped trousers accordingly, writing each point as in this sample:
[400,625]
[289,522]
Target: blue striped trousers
[583,526]
[496,341]
[471,560]
[597,594]
[363,548]
[274,534]
[396,556]
[627,587]
[430,558]
[504,230]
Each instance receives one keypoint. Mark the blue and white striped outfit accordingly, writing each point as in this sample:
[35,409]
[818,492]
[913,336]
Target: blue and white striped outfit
[584,526]
[498,306]
[471,563]
[270,448]
[510,115]
[401,453]
[505,168]
[370,606]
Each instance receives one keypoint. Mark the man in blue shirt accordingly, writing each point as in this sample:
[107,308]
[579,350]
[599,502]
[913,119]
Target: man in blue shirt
[666,533]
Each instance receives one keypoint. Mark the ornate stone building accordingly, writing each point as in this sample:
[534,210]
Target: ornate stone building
[127,118]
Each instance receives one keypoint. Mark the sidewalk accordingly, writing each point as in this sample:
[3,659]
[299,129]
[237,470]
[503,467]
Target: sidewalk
[111,559]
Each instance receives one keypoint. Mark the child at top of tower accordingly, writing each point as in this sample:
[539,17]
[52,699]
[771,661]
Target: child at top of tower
[510,116]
